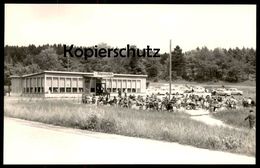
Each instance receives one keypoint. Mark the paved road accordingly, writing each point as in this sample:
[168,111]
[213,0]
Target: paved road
[28,142]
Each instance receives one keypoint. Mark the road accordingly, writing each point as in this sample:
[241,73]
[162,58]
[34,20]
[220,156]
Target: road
[27,142]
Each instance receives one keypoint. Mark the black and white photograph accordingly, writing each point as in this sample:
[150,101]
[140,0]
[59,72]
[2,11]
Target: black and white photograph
[94,84]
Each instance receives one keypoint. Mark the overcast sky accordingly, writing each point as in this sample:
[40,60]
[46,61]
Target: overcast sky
[189,26]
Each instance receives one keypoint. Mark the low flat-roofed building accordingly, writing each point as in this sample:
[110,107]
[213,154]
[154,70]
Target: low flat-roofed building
[73,84]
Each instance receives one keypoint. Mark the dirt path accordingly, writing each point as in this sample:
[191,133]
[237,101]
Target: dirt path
[204,116]
[28,142]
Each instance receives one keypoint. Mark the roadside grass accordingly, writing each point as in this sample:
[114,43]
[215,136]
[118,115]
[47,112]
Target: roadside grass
[234,117]
[172,127]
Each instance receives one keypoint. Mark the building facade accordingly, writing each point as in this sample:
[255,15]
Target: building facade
[74,84]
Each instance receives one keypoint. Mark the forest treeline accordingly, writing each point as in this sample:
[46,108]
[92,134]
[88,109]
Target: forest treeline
[200,64]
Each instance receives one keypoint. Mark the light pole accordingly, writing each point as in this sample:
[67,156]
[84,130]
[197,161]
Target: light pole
[170,70]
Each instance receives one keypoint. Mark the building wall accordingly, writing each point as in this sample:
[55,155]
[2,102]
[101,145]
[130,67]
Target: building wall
[16,87]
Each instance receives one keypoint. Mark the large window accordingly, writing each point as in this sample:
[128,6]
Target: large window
[68,85]
[27,85]
[34,85]
[103,81]
[39,84]
[138,86]
[81,89]
[133,86]
[42,81]
[68,90]
[48,81]
[74,85]
[114,84]
[114,90]
[74,90]
[108,84]
[31,88]
[129,86]
[62,85]
[24,85]
[55,89]
[123,85]
[119,84]
[55,84]
[62,89]
[80,83]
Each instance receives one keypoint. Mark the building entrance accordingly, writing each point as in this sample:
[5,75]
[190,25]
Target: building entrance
[100,87]
[94,86]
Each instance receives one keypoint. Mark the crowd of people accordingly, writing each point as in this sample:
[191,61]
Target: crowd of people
[186,101]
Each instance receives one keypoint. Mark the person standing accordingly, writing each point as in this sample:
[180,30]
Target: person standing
[101,91]
[249,101]
[108,93]
[125,91]
[115,100]
[94,99]
[119,93]
[251,119]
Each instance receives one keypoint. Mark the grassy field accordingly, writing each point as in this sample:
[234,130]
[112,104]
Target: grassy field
[233,117]
[173,127]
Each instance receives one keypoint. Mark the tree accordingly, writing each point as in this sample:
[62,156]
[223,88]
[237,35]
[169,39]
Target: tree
[178,62]
[135,63]
[48,60]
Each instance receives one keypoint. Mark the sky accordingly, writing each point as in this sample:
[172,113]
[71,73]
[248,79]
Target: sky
[189,26]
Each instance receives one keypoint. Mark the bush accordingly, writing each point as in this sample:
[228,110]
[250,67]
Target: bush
[108,126]
[214,142]
[231,143]
[92,123]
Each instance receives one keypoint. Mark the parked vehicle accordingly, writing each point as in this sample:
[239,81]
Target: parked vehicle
[161,96]
[198,89]
[177,91]
[183,89]
[221,92]
[235,91]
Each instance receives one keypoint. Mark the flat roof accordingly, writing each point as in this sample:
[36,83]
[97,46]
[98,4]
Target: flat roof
[15,76]
[77,73]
